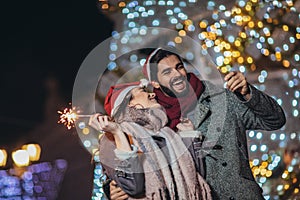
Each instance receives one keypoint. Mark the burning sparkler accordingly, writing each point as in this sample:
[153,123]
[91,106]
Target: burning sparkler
[68,117]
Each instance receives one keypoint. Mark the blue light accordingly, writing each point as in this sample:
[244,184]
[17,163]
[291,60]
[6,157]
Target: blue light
[241,3]
[125,10]
[169,12]
[177,10]
[253,148]
[150,12]
[155,22]
[282,136]
[273,136]
[111,66]
[161,3]
[295,113]
[292,40]
[251,134]
[182,4]
[113,47]
[112,56]
[263,148]
[259,135]
[87,143]
[264,73]
[291,84]
[270,41]
[170,3]
[296,57]
[133,58]
[297,94]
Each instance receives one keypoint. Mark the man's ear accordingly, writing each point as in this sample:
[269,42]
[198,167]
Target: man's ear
[155,84]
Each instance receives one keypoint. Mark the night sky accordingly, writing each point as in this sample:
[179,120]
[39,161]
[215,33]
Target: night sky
[41,39]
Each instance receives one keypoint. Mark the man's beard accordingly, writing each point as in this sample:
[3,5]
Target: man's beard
[173,93]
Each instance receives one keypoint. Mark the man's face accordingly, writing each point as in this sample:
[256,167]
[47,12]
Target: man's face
[171,75]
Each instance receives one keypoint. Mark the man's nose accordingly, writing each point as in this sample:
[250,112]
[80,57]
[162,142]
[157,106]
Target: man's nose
[152,95]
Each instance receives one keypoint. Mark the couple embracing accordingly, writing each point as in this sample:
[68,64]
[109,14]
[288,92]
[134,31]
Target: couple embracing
[153,146]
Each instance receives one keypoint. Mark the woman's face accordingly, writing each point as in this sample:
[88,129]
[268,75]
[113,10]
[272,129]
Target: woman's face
[142,99]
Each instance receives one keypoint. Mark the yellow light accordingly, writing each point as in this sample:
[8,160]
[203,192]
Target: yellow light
[236,54]
[278,56]
[122,4]
[285,174]
[34,151]
[20,158]
[264,164]
[266,52]
[224,70]
[296,190]
[269,20]
[246,18]
[286,186]
[188,22]
[202,24]
[105,6]
[251,163]
[248,7]
[85,131]
[182,33]
[251,24]
[260,24]
[237,43]
[298,36]
[285,28]
[294,180]
[250,60]
[269,173]
[236,10]
[240,60]
[226,61]
[3,157]
[227,46]
[217,42]
[286,63]
[263,171]
[243,35]
[256,171]
[178,40]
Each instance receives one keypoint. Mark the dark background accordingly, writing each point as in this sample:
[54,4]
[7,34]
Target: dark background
[42,39]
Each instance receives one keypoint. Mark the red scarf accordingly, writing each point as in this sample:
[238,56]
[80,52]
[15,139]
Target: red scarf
[177,108]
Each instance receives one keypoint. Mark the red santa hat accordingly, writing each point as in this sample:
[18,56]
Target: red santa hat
[146,67]
[117,94]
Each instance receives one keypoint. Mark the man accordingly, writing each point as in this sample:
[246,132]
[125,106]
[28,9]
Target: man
[224,125]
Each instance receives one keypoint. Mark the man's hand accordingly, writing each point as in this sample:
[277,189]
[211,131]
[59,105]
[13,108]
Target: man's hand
[116,193]
[236,82]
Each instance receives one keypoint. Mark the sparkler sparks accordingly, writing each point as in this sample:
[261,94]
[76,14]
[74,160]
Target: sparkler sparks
[69,116]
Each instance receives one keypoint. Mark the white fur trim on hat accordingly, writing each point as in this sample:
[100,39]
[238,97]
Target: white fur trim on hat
[148,62]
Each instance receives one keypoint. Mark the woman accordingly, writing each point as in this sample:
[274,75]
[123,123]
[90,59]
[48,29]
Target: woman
[147,159]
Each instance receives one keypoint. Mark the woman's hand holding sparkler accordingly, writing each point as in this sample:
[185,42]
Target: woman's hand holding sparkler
[105,124]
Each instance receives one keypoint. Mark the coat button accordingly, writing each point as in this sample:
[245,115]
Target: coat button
[231,198]
[224,164]
[218,129]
